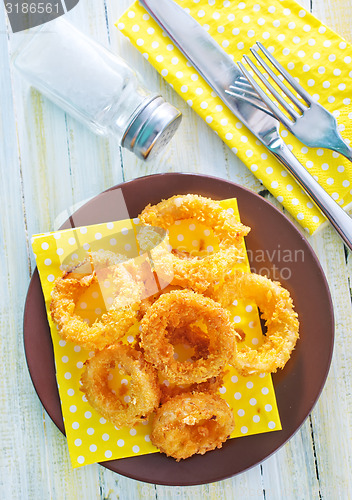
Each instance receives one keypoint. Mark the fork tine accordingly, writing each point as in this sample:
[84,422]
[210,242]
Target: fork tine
[248,90]
[298,88]
[271,89]
[278,82]
[253,99]
[273,108]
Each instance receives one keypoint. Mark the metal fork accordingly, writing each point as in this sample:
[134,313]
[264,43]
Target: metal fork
[310,122]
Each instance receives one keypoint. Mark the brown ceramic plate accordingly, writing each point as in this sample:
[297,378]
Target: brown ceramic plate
[276,248]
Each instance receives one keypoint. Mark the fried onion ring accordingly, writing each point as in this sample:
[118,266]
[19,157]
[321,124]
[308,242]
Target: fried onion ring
[112,325]
[144,389]
[282,324]
[198,273]
[192,423]
[182,309]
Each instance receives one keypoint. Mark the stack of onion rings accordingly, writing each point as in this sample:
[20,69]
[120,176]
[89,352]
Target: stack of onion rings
[191,417]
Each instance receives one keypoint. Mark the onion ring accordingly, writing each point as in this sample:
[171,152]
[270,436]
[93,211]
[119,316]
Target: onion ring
[199,273]
[144,389]
[282,324]
[192,423]
[182,309]
[112,325]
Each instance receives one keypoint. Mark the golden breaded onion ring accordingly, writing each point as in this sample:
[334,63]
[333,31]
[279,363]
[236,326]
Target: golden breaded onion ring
[276,306]
[144,389]
[198,273]
[182,309]
[192,423]
[112,325]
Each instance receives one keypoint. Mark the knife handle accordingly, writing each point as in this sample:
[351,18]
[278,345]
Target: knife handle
[338,218]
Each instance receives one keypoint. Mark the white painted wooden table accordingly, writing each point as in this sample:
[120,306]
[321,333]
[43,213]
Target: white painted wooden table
[49,162]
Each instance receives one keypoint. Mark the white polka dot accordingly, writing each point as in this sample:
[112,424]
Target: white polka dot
[133,432]
[268,407]
[249,385]
[237,395]
[45,246]
[271,425]
[105,437]
[108,454]
[62,343]
[120,443]
[67,375]
[256,418]
[73,409]
[78,442]
[240,413]
[244,429]
[265,390]
[135,449]
[93,447]
[234,379]
[80,459]
[252,401]
[255,341]
[88,414]
[51,278]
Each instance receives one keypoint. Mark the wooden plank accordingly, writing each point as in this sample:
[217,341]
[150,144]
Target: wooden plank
[332,417]
[336,15]
[20,410]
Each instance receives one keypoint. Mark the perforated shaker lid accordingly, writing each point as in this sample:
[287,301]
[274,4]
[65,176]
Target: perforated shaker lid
[152,128]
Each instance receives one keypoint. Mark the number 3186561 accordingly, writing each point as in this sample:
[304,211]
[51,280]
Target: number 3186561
[33,8]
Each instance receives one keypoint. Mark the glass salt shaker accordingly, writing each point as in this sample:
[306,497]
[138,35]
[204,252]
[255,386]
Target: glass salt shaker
[97,87]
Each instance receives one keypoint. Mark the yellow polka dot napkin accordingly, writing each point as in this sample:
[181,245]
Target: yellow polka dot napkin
[90,437]
[318,57]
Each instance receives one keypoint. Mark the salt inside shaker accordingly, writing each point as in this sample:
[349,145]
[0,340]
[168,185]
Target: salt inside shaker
[97,87]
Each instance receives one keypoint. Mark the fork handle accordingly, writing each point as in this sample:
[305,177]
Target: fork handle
[338,218]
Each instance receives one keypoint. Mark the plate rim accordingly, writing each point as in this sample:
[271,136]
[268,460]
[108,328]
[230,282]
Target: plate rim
[111,465]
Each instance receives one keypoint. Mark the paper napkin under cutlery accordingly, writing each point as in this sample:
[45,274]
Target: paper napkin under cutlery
[315,54]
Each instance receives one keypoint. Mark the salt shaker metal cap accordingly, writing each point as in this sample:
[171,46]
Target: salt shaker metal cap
[152,128]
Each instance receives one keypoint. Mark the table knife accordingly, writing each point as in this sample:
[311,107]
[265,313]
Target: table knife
[220,71]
